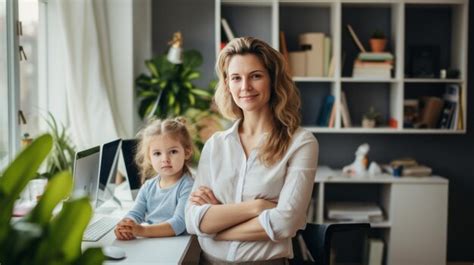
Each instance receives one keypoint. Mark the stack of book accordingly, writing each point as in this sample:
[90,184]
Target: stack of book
[373,65]
[354,211]
[409,168]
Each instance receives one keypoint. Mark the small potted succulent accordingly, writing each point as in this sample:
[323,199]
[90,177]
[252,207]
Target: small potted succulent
[378,41]
[370,118]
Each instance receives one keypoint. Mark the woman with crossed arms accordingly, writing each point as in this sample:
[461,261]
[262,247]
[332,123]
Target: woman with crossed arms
[254,181]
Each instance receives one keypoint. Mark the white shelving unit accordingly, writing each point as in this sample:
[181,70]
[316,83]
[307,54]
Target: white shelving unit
[264,19]
[414,228]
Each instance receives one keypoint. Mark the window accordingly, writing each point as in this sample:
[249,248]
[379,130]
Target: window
[4,106]
[20,87]
[30,94]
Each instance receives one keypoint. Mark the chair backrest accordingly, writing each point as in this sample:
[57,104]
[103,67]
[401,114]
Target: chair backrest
[318,240]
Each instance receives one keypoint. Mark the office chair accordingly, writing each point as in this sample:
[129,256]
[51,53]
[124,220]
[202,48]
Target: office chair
[318,239]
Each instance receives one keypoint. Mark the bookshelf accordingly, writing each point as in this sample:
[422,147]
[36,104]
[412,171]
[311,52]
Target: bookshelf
[411,206]
[412,27]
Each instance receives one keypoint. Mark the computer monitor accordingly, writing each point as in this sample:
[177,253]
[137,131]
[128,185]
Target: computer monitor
[94,170]
[86,172]
[129,149]
[108,172]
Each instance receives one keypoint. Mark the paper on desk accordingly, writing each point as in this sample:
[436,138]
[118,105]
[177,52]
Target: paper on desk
[324,172]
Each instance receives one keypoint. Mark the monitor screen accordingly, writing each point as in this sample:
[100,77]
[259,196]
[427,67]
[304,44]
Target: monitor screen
[86,172]
[129,149]
[108,171]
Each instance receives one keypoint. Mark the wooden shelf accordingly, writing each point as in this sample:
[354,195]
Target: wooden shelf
[313,79]
[381,224]
[382,130]
[368,80]
[432,80]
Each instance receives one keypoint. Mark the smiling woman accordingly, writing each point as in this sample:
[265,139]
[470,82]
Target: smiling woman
[254,180]
[249,83]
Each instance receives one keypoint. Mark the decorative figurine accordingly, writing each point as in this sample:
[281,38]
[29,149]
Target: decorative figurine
[175,53]
[358,168]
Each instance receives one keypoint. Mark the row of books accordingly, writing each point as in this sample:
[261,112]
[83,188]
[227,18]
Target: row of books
[436,112]
[313,59]
[327,113]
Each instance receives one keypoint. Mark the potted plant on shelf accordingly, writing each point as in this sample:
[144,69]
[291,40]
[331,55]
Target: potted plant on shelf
[378,41]
[38,237]
[370,118]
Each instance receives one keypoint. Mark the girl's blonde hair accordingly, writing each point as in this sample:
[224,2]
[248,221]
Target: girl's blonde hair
[176,128]
[284,97]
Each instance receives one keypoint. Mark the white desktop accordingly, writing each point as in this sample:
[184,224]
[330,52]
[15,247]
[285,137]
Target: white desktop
[145,251]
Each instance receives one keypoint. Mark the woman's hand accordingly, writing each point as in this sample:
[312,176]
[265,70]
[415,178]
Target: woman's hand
[262,205]
[203,195]
[121,232]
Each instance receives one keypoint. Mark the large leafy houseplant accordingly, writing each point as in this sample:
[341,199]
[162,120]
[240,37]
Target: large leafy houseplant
[168,90]
[40,237]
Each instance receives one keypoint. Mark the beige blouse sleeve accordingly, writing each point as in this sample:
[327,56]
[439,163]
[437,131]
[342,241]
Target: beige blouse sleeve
[289,216]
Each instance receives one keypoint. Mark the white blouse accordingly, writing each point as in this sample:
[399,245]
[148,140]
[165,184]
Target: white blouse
[233,178]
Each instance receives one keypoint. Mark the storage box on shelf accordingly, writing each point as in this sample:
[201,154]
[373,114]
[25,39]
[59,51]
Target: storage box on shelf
[415,47]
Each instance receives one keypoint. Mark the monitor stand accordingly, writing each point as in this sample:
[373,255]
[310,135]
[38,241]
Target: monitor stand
[134,193]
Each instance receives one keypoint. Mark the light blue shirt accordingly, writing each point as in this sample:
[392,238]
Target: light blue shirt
[155,205]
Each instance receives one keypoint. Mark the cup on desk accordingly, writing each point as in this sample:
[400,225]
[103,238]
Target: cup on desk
[398,171]
[36,188]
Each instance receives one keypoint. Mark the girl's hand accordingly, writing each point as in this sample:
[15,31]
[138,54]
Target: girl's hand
[122,233]
[130,226]
[203,195]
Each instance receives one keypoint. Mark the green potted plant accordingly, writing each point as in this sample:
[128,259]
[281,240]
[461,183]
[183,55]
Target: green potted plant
[39,237]
[378,41]
[370,118]
[168,91]
[62,154]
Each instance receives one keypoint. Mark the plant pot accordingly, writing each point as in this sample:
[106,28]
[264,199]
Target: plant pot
[378,45]
[368,123]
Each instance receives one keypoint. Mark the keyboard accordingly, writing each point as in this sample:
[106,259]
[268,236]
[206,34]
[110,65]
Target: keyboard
[99,228]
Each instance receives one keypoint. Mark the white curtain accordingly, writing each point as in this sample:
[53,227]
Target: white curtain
[81,65]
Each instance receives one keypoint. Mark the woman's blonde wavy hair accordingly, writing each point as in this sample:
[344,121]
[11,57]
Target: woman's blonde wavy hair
[284,97]
[176,128]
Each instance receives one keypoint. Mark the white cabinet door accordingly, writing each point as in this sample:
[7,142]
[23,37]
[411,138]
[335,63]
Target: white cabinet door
[418,215]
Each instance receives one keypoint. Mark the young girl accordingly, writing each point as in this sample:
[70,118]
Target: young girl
[163,152]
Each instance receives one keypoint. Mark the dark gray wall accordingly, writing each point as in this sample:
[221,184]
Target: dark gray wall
[451,156]
[195,20]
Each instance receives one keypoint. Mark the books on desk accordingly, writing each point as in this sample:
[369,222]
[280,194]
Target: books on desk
[354,211]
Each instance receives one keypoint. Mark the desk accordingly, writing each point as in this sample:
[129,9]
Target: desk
[147,251]
[414,228]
